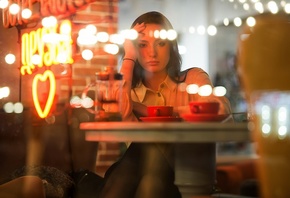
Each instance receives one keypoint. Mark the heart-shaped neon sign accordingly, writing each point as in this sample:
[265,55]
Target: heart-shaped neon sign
[46,76]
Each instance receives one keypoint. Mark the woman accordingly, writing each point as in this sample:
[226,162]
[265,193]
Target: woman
[152,68]
[152,74]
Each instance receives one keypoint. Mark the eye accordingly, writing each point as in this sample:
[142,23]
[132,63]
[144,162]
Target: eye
[142,45]
[162,43]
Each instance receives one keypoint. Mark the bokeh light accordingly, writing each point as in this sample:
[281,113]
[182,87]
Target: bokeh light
[26,13]
[192,89]
[8,107]
[87,54]
[205,90]
[4,92]
[10,58]
[14,9]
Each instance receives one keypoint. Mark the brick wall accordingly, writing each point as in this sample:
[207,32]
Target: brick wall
[104,15]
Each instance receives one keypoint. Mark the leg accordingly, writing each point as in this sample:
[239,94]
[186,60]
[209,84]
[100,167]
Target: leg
[142,163]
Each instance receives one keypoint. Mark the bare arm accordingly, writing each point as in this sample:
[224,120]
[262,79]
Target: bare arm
[127,67]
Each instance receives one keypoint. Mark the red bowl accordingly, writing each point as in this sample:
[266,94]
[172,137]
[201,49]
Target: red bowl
[197,107]
[155,111]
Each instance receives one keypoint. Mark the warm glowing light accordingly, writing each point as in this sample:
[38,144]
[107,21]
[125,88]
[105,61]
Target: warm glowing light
[246,6]
[182,49]
[201,30]
[282,132]
[282,118]
[49,53]
[171,34]
[111,48]
[14,8]
[18,107]
[87,40]
[87,54]
[192,89]
[156,34]
[117,38]
[4,92]
[36,59]
[102,37]
[4,3]
[8,107]
[65,28]
[266,113]
[87,102]
[46,76]
[26,13]
[75,102]
[211,30]
[130,34]
[273,7]
[219,91]
[10,59]
[287,8]
[83,32]
[282,114]
[50,21]
[55,38]
[238,21]
[91,29]
[205,90]
[259,7]
[61,57]
[283,3]
[251,21]
[163,34]
[226,21]
[62,8]
[266,129]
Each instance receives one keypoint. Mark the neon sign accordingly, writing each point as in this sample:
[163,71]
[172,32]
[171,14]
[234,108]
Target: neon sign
[49,53]
[46,76]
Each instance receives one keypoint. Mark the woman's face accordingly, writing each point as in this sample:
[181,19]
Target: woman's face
[153,53]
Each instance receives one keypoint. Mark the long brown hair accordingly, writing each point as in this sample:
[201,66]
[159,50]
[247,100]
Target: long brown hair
[174,64]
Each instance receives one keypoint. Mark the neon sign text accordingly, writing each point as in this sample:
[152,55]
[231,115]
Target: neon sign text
[58,50]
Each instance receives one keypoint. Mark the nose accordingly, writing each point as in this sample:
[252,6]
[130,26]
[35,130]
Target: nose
[152,51]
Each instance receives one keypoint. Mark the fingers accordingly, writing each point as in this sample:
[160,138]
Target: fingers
[129,47]
[139,27]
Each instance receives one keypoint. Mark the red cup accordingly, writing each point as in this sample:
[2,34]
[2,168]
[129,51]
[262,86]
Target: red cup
[198,107]
[155,111]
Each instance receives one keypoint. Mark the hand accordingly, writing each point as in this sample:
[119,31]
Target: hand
[129,47]
[139,109]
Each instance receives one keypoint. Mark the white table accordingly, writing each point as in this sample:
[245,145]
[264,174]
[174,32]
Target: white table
[195,144]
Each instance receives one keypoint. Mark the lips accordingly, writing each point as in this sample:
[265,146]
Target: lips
[153,63]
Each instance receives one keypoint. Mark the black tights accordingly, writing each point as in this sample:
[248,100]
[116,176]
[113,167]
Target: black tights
[143,171]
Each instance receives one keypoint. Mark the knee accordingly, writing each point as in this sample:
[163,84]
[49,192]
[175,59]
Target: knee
[150,186]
